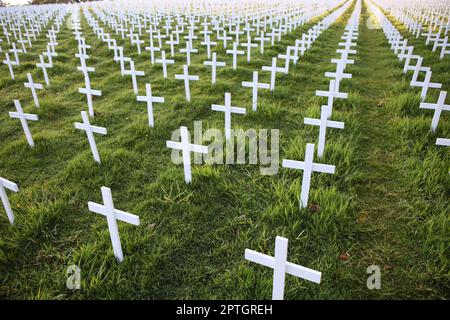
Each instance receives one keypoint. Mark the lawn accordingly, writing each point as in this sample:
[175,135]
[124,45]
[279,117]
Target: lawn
[386,204]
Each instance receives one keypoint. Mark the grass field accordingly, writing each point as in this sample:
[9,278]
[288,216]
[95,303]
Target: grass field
[387,203]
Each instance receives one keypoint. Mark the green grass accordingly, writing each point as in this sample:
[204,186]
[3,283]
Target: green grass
[387,203]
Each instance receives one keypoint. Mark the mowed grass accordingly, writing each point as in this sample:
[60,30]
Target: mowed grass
[192,238]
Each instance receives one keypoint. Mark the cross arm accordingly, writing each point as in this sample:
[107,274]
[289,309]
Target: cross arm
[325,168]
[120,215]
[27,116]
[293,164]
[9,185]
[291,268]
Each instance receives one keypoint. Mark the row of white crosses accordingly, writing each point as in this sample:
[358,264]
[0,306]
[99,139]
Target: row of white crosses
[308,166]
[410,16]
[404,52]
[278,262]
[119,57]
[19,113]
[15,50]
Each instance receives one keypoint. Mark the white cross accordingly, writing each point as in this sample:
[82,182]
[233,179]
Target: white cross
[186,77]
[224,38]
[228,110]
[214,64]
[85,69]
[122,59]
[408,58]
[249,45]
[10,64]
[208,45]
[44,67]
[188,50]
[23,120]
[6,184]
[112,215]
[16,51]
[323,123]
[89,92]
[255,85]
[261,40]
[33,86]
[235,52]
[90,130]
[417,69]
[172,44]
[150,100]
[287,58]
[438,108]
[308,168]
[331,94]
[152,50]
[273,70]
[280,267]
[426,84]
[186,149]
[339,74]
[164,62]
[133,73]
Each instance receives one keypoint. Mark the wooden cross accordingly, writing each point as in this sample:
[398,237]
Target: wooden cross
[255,85]
[280,267]
[150,100]
[23,117]
[308,168]
[186,149]
[112,215]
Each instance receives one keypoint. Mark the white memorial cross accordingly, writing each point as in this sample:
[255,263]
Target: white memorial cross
[228,110]
[6,184]
[208,43]
[150,100]
[214,64]
[90,130]
[323,124]
[44,67]
[188,50]
[112,215]
[255,85]
[425,84]
[89,92]
[280,267]
[331,94]
[235,52]
[287,58]
[261,40]
[249,45]
[23,120]
[438,108]
[33,86]
[224,38]
[273,70]
[339,74]
[152,50]
[308,168]
[186,77]
[16,51]
[186,149]
[10,64]
[164,62]
[133,73]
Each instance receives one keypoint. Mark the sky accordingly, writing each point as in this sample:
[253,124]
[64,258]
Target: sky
[16,2]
